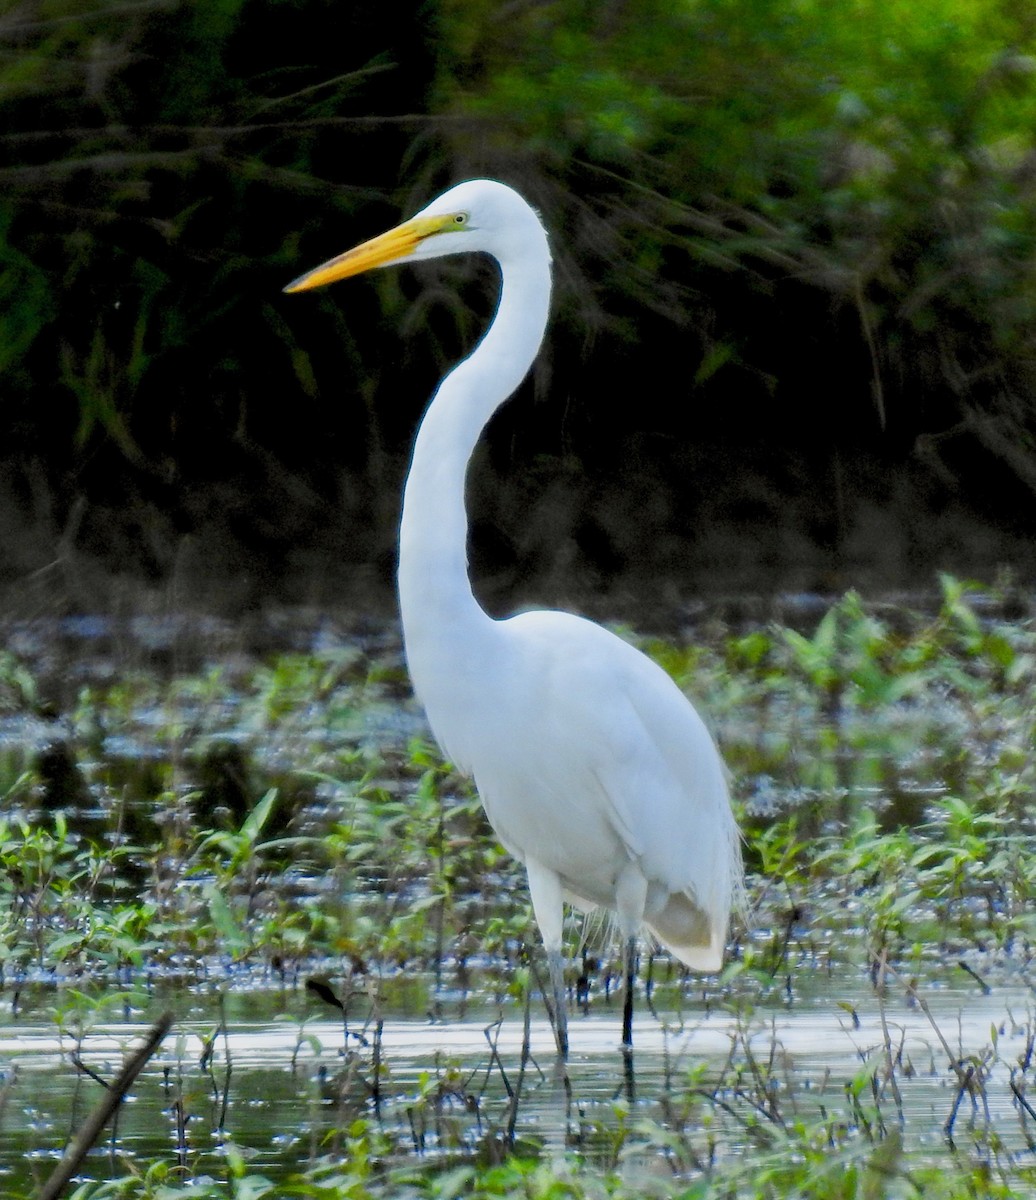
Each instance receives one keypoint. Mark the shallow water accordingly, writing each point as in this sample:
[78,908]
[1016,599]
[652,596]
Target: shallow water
[278,1085]
[253,1058]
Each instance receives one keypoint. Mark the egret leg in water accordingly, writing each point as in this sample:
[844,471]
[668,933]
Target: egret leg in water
[593,767]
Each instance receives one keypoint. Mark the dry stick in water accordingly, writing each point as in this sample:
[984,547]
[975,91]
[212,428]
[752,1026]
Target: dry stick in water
[890,1058]
[512,1115]
[965,1086]
[6,1090]
[91,1128]
[492,1036]
[1019,1095]
[963,1076]
[224,1095]
[379,1026]
[968,1080]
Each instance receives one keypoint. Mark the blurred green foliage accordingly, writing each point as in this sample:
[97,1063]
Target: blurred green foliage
[881,152]
[817,222]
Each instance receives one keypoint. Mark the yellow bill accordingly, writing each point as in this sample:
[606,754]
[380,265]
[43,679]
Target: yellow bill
[382,251]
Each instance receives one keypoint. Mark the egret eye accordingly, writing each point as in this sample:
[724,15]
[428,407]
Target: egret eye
[460,218]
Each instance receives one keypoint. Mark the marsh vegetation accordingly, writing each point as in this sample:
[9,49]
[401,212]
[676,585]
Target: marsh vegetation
[247,825]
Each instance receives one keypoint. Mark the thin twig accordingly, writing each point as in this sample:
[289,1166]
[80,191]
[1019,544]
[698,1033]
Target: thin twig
[963,1076]
[986,989]
[1019,1095]
[225,1095]
[379,1026]
[890,1062]
[494,1056]
[512,1115]
[81,1066]
[965,1085]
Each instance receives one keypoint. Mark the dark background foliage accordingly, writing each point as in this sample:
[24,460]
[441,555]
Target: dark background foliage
[792,343]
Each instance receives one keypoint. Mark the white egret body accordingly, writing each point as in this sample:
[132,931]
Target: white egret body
[594,769]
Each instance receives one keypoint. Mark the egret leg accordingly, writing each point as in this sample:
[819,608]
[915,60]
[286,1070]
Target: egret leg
[556,965]
[547,904]
[630,899]
[630,965]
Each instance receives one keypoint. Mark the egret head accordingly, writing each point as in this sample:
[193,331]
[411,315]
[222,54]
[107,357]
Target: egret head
[480,215]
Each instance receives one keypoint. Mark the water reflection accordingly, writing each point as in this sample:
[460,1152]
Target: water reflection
[237,1067]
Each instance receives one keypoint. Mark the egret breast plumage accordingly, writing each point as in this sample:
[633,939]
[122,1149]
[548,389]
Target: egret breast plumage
[594,769]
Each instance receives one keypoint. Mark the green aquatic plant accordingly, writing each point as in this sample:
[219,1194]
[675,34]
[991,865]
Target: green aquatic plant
[360,858]
[18,688]
[66,901]
[840,738]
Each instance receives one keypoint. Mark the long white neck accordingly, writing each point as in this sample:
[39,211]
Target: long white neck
[445,631]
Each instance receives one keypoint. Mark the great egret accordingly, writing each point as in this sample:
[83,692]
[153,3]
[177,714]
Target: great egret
[594,769]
